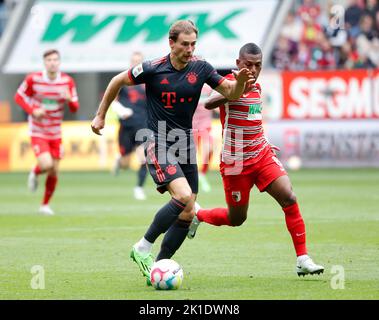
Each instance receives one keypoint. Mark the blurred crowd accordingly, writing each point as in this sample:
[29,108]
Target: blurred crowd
[331,36]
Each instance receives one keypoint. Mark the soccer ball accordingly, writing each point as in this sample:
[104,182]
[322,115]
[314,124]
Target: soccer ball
[294,163]
[166,274]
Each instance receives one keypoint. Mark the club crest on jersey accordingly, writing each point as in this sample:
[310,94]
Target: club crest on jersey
[171,170]
[137,70]
[192,77]
[236,195]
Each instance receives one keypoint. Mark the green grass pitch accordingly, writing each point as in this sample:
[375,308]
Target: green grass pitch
[84,249]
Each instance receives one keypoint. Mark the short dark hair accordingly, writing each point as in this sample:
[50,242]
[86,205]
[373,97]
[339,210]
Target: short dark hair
[250,48]
[182,26]
[50,52]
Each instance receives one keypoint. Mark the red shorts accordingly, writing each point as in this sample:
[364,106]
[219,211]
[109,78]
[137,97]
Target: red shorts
[237,187]
[54,147]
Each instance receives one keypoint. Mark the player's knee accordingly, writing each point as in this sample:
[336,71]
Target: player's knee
[289,200]
[236,221]
[47,166]
[184,196]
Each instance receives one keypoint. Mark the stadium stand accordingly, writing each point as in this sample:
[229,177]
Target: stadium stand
[317,37]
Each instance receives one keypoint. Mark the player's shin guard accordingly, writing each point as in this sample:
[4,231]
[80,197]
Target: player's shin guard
[296,227]
[51,182]
[215,216]
[173,239]
[164,218]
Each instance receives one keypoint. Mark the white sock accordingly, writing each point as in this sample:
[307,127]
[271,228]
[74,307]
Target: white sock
[143,245]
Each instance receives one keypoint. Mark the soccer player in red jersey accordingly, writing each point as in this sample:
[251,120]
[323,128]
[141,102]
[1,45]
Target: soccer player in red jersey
[247,159]
[43,96]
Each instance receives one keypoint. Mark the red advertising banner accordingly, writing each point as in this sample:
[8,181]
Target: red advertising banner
[345,94]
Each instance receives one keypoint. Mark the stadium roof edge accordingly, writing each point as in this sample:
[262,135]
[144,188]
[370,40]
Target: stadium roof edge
[14,25]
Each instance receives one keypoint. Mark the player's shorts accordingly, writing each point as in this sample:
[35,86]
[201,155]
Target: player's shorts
[163,172]
[127,139]
[54,147]
[237,187]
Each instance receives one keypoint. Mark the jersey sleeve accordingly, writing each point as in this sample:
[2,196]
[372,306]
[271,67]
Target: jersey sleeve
[213,79]
[74,103]
[24,95]
[230,76]
[140,73]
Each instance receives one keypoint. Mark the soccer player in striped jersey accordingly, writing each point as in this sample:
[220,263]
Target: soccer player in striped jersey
[173,87]
[248,159]
[43,95]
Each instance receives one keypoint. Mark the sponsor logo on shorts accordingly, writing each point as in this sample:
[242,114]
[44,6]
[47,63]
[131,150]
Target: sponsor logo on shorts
[236,195]
[278,163]
[171,170]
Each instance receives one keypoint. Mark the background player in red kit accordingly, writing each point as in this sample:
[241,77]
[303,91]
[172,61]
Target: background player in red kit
[247,159]
[202,131]
[43,96]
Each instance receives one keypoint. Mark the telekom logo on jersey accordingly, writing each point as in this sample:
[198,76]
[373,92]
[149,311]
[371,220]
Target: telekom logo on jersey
[170,97]
[182,149]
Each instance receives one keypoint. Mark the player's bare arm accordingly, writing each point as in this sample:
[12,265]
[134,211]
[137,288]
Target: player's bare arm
[114,86]
[231,89]
[214,101]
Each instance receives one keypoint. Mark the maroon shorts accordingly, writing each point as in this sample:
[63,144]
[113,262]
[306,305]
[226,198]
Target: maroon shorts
[237,187]
[54,147]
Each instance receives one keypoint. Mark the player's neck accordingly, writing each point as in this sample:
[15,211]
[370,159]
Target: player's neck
[176,63]
[52,75]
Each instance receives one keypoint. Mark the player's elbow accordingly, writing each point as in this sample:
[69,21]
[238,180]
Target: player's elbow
[17,98]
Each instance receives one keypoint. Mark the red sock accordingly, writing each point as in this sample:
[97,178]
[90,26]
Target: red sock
[206,162]
[51,182]
[204,168]
[37,170]
[296,227]
[215,216]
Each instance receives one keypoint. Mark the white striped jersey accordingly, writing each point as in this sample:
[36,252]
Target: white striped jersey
[38,91]
[243,135]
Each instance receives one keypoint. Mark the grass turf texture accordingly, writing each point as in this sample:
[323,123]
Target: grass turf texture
[84,249]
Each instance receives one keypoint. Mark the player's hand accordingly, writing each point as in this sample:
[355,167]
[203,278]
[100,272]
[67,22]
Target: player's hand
[126,113]
[244,76]
[97,124]
[38,113]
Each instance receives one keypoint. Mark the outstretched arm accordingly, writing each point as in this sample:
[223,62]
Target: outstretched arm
[110,94]
[214,101]
[231,89]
